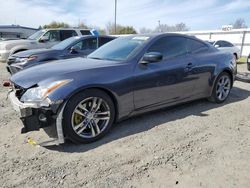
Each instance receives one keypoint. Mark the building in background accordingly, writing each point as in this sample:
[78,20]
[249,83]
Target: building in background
[15,31]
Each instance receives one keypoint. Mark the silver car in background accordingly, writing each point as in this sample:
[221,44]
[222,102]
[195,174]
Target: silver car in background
[45,38]
[226,47]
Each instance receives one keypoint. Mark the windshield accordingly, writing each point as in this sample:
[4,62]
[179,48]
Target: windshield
[119,49]
[37,35]
[64,44]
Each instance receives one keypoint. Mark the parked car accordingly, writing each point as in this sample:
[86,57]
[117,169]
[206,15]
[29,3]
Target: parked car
[69,48]
[41,39]
[226,47]
[81,98]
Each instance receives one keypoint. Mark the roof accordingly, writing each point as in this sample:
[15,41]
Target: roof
[15,27]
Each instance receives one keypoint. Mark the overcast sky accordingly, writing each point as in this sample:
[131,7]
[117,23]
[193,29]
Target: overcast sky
[197,14]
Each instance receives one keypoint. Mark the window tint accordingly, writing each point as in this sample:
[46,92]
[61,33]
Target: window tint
[169,46]
[227,44]
[87,44]
[222,43]
[194,46]
[85,32]
[104,40]
[67,33]
[53,35]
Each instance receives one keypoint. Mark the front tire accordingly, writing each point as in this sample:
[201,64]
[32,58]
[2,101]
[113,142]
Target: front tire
[222,88]
[88,116]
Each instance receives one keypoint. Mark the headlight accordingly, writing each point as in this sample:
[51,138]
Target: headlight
[39,94]
[24,60]
[2,47]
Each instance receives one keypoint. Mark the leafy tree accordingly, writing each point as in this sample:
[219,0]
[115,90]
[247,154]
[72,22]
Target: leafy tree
[239,23]
[126,30]
[120,29]
[81,25]
[55,24]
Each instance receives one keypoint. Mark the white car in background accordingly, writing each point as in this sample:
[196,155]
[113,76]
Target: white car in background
[226,47]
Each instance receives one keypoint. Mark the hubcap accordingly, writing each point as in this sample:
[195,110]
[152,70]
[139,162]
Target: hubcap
[90,117]
[223,87]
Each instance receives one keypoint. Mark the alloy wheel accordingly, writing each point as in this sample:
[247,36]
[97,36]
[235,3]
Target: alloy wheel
[90,117]
[223,87]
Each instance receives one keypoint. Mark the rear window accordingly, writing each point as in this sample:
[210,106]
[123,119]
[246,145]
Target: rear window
[85,32]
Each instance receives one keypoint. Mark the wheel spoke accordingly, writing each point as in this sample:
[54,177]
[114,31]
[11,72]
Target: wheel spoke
[92,129]
[99,102]
[78,126]
[93,104]
[80,113]
[94,122]
[220,95]
[83,108]
[83,128]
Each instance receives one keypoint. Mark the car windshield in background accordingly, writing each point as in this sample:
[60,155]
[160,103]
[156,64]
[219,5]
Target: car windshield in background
[64,44]
[36,35]
[119,49]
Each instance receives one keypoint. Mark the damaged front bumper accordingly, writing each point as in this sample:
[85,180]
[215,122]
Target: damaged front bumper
[35,117]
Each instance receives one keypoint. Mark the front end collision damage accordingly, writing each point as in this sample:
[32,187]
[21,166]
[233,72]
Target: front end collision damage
[35,117]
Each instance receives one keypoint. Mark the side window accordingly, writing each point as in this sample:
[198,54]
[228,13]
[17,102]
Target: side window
[104,40]
[170,46]
[195,47]
[85,32]
[228,44]
[67,34]
[87,44]
[219,43]
[53,35]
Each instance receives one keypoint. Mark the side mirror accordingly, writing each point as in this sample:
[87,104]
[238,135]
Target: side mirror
[44,39]
[152,57]
[216,46]
[74,49]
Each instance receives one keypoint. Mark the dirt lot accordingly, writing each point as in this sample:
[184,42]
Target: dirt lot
[199,144]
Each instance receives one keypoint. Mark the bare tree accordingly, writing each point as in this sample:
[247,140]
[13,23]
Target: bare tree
[239,23]
[146,30]
[181,27]
[171,28]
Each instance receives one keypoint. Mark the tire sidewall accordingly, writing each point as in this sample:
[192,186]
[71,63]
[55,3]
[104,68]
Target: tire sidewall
[70,107]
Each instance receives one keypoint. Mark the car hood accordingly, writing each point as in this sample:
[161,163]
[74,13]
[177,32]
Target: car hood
[57,69]
[28,53]
[11,43]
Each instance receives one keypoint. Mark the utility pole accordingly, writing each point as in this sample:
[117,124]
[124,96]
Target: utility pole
[159,22]
[115,14]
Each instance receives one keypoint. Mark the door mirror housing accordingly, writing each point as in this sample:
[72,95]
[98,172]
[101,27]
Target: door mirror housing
[74,49]
[216,46]
[152,57]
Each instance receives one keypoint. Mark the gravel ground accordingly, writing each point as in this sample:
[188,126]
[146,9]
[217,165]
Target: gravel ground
[199,144]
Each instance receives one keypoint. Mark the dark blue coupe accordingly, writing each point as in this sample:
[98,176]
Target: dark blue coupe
[80,99]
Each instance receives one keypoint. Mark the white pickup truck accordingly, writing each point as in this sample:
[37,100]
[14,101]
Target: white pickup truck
[41,39]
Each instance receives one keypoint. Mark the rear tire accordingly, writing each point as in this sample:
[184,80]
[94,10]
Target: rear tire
[88,116]
[222,88]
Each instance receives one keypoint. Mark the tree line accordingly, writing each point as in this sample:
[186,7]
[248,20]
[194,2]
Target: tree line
[121,29]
